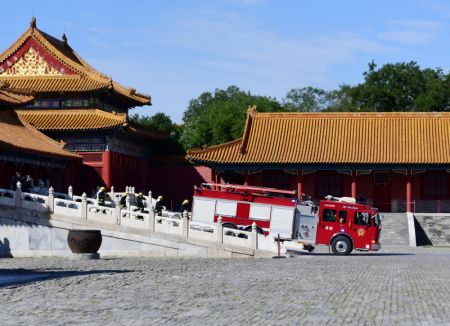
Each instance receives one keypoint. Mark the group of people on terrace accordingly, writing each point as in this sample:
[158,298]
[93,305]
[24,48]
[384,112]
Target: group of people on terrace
[139,202]
[27,182]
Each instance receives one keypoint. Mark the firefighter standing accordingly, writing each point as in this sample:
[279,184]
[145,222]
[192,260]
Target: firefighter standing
[123,200]
[101,196]
[185,206]
[159,206]
[140,202]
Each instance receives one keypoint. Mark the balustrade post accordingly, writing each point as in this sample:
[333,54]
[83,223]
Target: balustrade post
[51,199]
[185,224]
[150,202]
[127,201]
[219,230]
[133,198]
[112,195]
[151,220]
[70,193]
[254,243]
[84,206]
[118,214]
[18,195]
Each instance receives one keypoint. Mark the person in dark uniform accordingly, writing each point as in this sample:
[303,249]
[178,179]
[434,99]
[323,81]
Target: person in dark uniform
[101,196]
[185,206]
[362,199]
[14,180]
[159,206]
[140,202]
[123,200]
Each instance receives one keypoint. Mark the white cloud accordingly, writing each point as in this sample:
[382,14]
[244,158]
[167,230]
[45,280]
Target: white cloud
[231,43]
[412,32]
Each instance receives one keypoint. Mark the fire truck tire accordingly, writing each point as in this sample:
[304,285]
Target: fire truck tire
[229,226]
[341,245]
[258,229]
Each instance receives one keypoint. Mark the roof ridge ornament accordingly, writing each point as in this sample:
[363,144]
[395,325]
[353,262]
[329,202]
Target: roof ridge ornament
[64,38]
[251,112]
[33,22]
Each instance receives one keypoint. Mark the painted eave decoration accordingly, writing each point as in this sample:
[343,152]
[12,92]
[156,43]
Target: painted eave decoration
[41,63]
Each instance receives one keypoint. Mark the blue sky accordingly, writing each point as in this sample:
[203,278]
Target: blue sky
[175,50]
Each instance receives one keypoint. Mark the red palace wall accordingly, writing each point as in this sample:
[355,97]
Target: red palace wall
[111,169]
[176,182]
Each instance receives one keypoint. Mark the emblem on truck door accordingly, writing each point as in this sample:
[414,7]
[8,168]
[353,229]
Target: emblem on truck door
[361,232]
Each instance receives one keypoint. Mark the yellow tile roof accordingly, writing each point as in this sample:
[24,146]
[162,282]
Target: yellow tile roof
[51,84]
[335,138]
[13,97]
[72,119]
[17,135]
[64,54]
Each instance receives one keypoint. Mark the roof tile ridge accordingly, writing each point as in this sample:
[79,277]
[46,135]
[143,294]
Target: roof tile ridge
[9,77]
[84,70]
[338,115]
[251,114]
[59,111]
[130,91]
[64,60]
[214,147]
[117,116]
[16,45]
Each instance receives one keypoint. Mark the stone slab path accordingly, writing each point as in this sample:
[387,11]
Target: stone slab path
[401,286]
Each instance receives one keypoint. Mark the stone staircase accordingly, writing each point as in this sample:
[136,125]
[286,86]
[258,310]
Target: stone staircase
[394,230]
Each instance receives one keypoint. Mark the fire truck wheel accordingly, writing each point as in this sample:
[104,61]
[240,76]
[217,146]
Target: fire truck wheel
[341,246]
[230,226]
[258,229]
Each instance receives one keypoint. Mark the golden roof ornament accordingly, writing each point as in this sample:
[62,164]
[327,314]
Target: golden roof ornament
[251,110]
[33,22]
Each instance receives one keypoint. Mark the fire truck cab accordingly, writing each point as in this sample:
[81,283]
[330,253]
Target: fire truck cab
[340,223]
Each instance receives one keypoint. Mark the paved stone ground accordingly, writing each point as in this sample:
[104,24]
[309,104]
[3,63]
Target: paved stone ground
[388,288]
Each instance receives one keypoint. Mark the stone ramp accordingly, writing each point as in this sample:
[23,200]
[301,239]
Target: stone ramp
[395,230]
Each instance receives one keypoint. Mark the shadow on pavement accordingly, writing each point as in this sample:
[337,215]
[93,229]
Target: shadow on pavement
[20,276]
[363,254]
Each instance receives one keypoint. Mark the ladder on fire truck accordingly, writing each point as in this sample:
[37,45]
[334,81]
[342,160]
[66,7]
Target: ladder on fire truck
[249,189]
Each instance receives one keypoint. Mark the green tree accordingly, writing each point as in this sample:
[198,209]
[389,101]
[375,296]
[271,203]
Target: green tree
[401,87]
[161,121]
[219,117]
[308,99]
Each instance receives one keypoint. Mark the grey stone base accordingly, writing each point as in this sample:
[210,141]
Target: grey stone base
[84,256]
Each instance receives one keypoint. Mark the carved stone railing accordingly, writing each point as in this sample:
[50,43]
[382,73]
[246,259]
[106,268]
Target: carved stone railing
[7,197]
[170,223]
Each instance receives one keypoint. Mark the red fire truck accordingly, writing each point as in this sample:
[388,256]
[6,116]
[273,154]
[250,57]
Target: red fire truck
[340,223]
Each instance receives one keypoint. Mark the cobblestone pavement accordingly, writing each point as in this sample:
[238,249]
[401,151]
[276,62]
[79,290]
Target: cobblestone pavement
[388,288]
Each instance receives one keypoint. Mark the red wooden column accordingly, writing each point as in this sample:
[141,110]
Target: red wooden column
[106,168]
[246,177]
[299,184]
[354,184]
[408,191]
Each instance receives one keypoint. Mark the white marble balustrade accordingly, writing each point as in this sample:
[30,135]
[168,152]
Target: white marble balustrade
[170,223]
